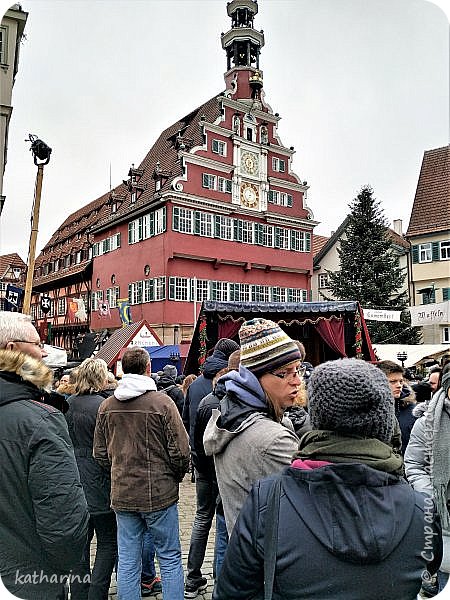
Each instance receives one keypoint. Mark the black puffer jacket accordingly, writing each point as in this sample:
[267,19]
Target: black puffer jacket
[205,464]
[346,532]
[201,387]
[96,481]
[43,512]
[169,386]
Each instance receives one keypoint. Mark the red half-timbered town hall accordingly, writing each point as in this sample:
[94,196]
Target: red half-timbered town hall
[214,211]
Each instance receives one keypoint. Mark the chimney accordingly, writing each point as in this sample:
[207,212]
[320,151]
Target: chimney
[397,226]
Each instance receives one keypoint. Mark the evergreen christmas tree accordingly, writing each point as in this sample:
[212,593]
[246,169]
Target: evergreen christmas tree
[369,271]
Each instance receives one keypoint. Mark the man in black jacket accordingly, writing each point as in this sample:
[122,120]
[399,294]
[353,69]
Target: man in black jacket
[43,512]
[167,383]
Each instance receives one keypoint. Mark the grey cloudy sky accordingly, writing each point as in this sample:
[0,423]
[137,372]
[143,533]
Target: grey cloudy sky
[362,87]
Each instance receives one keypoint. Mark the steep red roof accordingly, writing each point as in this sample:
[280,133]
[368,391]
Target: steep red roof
[431,209]
[10,259]
[397,239]
[319,242]
[72,235]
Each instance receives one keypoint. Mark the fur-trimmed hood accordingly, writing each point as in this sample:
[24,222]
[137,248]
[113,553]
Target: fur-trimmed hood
[17,368]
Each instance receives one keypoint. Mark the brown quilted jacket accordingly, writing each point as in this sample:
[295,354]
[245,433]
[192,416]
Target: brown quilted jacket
[144,442]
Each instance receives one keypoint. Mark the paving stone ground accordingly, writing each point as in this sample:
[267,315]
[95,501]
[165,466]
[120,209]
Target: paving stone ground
[186,509]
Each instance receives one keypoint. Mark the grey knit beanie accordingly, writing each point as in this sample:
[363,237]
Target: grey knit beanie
[170,371]
[351,396]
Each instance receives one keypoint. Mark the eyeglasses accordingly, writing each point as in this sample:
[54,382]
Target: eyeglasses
[300,371]
[39,344]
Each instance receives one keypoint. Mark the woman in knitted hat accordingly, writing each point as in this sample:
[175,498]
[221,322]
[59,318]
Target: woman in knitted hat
[340,522]
[427,461]
[246,437]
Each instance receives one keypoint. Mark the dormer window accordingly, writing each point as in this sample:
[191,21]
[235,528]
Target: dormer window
[157,185]
[279,165]
[219,147]
[133,196]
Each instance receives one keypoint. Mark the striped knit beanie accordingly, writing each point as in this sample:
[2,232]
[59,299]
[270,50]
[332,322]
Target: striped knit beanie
[265,347]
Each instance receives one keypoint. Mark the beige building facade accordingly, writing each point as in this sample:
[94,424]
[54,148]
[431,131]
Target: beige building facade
[429,235]
[11,33]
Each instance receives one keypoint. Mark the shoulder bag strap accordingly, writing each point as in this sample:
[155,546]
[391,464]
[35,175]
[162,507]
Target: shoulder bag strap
[271,537]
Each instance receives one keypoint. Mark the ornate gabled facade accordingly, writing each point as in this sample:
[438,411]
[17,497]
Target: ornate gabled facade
[326,258]
[12,272]
[214,211]
[429,235]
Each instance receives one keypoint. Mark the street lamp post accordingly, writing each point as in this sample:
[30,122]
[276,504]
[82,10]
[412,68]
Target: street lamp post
[402,356]
[41,154]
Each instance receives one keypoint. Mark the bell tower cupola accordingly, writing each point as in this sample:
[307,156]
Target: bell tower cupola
[242,44]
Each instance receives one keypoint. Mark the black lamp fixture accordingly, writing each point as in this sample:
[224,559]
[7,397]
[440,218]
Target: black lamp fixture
[41,152]
[402,356]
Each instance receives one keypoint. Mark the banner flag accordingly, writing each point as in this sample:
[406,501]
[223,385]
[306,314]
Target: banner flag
[372,314]
[124,311]
[76,309]
[429,314]
[13,298]
[103,309]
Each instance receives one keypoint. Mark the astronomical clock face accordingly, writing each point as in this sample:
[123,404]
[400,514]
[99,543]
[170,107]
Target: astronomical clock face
[249,163]
[249,195]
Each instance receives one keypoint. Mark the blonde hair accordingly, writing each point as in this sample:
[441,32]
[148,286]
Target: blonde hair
[92,376]
[28,368]
[187,382]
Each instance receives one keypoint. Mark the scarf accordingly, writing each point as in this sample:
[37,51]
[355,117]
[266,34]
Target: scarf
[437,421]
[334,447]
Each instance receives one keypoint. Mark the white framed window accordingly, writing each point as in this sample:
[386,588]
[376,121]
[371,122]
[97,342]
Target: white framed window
[78,258]
[323,280]
[425,252]
[274,197]
[219,290]
[96,298]
[209,181]
[160,288]
[445,250]
[267,235]
[278,164]
[224,185]
[446,335]
[179,289]
[204,224]
[132,231]
[224,227]
[219,147]
[62,308]
[278,294]
[200,289]
[285,199]
[247,232]
[160,220]
[282,238]
[135,290]
[300,240]
[260,293]
[133,196]
[245,292]
[296,295]
[3,45]
[185,220]
[112,295]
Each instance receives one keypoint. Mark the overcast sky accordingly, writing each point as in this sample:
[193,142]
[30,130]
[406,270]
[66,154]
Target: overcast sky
[362,87]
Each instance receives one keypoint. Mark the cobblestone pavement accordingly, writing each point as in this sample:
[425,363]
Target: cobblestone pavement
[186,509]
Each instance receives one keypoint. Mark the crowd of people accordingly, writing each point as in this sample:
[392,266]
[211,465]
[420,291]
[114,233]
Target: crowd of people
[324,482]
